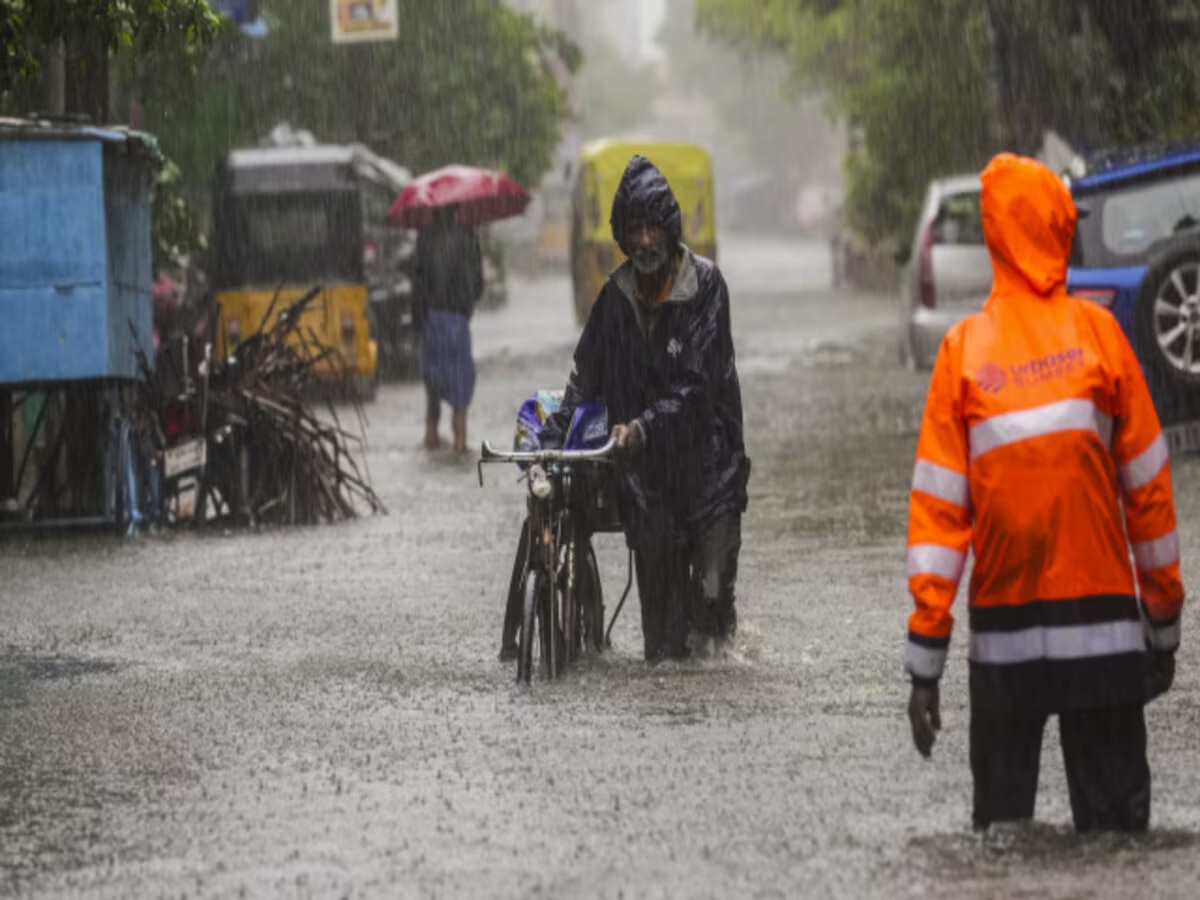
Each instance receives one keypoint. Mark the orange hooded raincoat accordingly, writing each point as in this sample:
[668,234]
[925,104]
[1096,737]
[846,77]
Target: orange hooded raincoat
[1037,429]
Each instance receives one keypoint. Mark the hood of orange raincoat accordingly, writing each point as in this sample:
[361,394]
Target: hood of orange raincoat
[1028,223]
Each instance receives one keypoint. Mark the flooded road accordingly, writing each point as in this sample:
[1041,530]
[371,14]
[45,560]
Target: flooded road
[320,712]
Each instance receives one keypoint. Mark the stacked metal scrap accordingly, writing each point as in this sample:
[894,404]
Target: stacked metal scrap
[270,459]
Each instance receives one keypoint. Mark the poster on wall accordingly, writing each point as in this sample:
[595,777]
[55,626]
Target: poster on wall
[356,21]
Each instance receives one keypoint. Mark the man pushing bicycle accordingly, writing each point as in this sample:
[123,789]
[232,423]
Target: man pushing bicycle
[658,353]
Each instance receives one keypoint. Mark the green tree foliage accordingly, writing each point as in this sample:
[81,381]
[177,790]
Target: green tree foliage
[90,33]
[1103,72]
[467,81]
[176,232]
[933,87]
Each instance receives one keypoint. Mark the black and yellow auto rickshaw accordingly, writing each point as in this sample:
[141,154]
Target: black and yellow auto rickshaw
[286,219]
[594,254]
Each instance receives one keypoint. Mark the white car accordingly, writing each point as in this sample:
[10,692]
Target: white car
[948,273]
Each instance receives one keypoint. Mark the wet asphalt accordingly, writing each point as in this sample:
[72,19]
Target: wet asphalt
[320,712]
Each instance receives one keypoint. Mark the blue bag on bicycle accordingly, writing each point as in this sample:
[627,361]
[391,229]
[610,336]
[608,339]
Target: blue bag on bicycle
[589,425]
[588,431]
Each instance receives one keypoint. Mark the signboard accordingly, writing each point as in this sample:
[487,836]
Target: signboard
[356,21]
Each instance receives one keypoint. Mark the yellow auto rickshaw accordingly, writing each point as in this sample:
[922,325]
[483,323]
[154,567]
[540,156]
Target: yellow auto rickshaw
[286,219]
[594,253]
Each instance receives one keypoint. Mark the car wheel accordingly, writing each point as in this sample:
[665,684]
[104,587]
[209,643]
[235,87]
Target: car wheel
[1167,333]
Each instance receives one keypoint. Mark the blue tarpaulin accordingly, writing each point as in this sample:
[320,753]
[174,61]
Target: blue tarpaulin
[244,14]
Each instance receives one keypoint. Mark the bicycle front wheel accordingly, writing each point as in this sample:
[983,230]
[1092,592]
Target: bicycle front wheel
[541,644]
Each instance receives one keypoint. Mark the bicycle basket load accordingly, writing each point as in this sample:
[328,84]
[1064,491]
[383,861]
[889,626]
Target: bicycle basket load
[596,488]
[589,425]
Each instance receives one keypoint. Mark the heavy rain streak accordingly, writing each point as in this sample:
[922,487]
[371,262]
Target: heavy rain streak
[599,448]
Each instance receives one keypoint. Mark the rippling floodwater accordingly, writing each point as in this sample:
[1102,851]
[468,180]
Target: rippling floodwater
[320,712]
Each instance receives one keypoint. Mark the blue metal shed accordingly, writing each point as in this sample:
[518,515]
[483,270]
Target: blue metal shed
[75,303]
[75,261]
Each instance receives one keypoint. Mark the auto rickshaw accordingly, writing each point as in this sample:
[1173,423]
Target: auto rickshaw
[594,253]
[286,219]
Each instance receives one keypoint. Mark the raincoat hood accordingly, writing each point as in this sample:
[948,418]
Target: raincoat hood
[1028,224]
[645,194]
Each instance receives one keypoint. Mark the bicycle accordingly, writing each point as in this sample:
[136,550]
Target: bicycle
[562,602]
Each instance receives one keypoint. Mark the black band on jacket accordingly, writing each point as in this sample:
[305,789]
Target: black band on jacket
[1091,610]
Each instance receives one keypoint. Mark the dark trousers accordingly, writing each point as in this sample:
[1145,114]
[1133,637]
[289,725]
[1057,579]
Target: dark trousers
[686,583]
[1104,750]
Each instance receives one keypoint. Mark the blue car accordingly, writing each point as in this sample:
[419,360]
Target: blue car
[1137,252]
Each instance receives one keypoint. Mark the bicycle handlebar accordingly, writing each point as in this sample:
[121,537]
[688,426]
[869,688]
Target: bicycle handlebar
[600,454]
[489,454]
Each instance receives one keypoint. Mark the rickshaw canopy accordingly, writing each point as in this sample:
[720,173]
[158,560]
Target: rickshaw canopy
[601,164]
[687,167]
[290,216]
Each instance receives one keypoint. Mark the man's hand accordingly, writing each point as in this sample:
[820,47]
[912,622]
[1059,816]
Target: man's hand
[1162,673]
[628,440]
[924,715]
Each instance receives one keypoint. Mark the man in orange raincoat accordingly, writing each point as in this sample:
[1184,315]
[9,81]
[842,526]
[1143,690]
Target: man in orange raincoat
[1037,430]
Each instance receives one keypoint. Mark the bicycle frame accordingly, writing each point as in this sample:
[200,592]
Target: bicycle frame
[553,534]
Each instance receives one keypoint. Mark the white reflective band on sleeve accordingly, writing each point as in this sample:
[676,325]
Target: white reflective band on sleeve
[933,559]
[1142,469]
[1066,415]
[924,662]
[1165,637]
[940,482]
[1067,642]
[1151,555]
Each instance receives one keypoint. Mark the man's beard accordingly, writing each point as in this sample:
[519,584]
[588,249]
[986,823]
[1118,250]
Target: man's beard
[649,260]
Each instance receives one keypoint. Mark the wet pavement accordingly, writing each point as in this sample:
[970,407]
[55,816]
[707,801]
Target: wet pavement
[320,712]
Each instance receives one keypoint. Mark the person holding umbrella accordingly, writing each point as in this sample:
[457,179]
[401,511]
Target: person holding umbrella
[447,284]
[446,205]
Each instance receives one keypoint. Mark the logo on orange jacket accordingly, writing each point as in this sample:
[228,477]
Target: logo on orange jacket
[1050,367]
[991,378]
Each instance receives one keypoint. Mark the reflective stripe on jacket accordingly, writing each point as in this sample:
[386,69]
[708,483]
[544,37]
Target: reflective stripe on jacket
[1037,426]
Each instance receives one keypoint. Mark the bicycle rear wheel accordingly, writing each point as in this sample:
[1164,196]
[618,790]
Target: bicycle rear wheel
[531,589]
[590,598]
[551,629]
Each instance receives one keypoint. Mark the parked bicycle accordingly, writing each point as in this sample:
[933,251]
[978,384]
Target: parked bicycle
[556,577]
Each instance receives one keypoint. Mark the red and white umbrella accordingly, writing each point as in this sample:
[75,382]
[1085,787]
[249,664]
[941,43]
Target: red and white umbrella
[480,196]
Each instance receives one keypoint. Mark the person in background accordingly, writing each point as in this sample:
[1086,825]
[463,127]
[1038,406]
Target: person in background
[1041,451]
[447,283]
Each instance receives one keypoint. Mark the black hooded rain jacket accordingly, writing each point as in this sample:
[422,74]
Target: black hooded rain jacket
[677,377]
